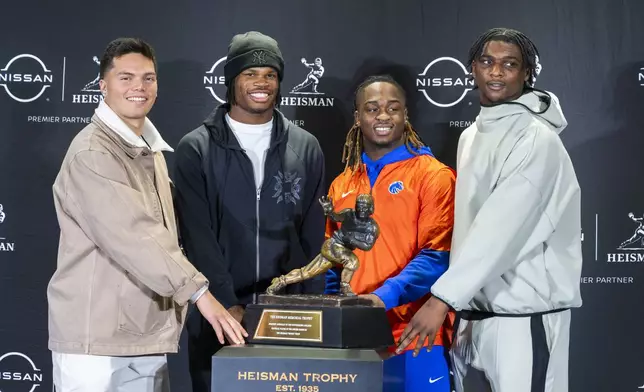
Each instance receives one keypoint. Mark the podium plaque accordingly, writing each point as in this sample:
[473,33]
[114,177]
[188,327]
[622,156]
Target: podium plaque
[326,321]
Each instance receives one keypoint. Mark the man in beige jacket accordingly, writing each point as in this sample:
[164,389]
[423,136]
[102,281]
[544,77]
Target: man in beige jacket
[118,298]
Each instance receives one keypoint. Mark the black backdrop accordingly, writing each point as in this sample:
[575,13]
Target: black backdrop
[592,54]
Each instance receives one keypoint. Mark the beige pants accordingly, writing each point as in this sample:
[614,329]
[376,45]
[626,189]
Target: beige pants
[94,373]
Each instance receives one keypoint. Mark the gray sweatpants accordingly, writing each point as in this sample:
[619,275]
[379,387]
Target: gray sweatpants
[512,354]
[94,373]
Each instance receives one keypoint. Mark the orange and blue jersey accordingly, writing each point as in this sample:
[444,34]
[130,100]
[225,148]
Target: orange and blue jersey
[414,207]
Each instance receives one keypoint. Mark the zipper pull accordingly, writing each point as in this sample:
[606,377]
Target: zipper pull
[259,191]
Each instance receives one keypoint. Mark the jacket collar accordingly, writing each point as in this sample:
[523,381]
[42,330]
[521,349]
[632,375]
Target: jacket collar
[125,136]
[398,154]
[223,135]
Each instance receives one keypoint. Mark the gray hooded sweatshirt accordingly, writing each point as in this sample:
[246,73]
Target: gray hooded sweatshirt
[516,247]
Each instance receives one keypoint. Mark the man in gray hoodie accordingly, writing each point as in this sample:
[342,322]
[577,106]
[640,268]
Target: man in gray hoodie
[516,249]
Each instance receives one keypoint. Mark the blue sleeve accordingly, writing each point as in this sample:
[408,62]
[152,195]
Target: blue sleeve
[415,280]
[333,281]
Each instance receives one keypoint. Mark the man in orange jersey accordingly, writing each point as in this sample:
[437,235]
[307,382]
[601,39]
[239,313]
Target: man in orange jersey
[413,196]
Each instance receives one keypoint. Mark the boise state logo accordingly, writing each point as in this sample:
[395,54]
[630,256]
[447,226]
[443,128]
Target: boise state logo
[396,187]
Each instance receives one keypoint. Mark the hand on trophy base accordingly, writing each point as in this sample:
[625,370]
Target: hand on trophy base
[375,300]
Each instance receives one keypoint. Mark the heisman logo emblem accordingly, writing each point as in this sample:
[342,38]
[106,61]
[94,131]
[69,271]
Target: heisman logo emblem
[636,241]
[5,246]
[312,78]
[2,215]
[93,85]
[287,187]
[259,57]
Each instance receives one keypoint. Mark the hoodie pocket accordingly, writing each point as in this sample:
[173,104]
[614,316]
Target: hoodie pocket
[141,310]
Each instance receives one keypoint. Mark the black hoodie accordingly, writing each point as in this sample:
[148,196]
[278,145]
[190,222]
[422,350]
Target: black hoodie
[240,237]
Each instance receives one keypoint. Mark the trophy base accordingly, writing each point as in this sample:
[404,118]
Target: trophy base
[255,368]
[326,321]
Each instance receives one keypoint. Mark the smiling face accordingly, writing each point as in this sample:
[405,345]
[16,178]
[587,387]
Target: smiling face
[256,91]
[500,72]
[381,115]
[130,88]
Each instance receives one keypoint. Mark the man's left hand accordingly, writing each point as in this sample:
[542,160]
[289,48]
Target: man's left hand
[374,299]
[425,324]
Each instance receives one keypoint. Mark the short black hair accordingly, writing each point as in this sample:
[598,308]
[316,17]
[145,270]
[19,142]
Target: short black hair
[232,100]
[529,52]
[376,79]
[122,46]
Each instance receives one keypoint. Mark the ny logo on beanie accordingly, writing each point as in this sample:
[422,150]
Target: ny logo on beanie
[259,57]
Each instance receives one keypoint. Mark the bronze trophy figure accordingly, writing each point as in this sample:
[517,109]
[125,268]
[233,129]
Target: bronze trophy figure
[318,320]
[357,231]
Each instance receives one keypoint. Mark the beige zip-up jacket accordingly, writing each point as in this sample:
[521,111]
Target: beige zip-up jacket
[122,283]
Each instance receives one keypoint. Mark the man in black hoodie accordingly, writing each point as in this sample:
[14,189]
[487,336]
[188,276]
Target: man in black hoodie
[247,188]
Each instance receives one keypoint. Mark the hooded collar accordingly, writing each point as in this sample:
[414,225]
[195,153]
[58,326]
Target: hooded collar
[400,153]
[542,104]
[223,135]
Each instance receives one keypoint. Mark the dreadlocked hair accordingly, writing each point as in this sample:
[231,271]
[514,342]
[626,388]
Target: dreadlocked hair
[352,151]
[529,52]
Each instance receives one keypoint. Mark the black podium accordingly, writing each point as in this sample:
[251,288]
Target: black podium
[311,344]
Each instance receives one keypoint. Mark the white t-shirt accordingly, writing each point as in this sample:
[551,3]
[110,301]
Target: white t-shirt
[254,139]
